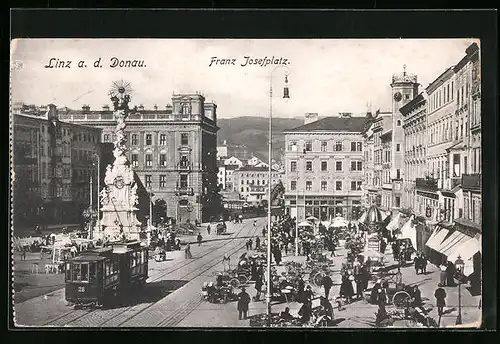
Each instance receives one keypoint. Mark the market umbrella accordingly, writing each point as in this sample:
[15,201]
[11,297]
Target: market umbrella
[339,222]
[362,218]
[311,218]
[305,224]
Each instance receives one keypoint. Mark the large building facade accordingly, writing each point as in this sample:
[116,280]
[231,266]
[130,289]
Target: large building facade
[415,149]
[53,166]
[172,150]
[252,183]
[324,166]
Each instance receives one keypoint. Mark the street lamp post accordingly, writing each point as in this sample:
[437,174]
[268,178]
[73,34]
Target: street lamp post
[150,222]
[269,224]
[459,265]
[98,192]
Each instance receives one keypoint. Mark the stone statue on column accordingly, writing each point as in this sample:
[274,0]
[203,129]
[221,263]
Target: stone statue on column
[119,197]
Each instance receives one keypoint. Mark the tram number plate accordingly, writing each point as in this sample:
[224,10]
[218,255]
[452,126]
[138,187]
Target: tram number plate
[81,289]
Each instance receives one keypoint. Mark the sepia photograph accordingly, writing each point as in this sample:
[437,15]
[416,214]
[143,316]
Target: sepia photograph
[246,183]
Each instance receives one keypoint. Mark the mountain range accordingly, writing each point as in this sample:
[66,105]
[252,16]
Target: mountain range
[252,132]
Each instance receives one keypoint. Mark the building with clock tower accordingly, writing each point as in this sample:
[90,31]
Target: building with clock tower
[404,89]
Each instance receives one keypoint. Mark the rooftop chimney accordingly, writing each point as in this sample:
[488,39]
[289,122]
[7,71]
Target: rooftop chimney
[105,107]
[310,117]
[156,107]
[86,108]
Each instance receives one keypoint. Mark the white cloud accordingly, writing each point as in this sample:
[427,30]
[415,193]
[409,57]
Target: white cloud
[327,76]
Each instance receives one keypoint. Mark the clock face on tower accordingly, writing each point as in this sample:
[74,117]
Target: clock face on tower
[397,96]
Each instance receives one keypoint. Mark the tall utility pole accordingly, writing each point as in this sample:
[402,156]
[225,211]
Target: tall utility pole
[98,192]
[269,223]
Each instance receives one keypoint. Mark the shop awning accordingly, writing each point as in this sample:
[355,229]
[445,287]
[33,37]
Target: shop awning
[455,239]
[410,232]
[466,250]
[437,237]
[394,224]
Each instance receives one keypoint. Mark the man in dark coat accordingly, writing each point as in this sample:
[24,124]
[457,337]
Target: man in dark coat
[258,288]
[418,264]
[440,295]
[277,255]
[395,251]
[327,284]
[243,301]
[305,313]
[300,289]
[423,264]
[257,243]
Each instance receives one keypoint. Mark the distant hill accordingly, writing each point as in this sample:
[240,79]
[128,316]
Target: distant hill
[252,132]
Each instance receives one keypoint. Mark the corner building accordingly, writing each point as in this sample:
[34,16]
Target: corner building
[324,168]
[172,150]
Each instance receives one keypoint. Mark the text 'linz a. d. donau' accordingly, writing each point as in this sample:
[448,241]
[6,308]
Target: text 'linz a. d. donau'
[114,62]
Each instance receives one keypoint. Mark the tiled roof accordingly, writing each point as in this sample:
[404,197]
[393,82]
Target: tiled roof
[349,124]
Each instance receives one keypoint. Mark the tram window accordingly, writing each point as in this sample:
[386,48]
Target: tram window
[108,267]
[91,272]
[68,271]
[85,272]
[76,272]
[133,259]
[116,266]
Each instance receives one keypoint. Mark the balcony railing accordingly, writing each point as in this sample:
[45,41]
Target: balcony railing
[428,184]
[471,181]
[184,190]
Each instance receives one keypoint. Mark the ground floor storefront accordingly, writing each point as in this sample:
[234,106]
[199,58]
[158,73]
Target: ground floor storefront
[324,207]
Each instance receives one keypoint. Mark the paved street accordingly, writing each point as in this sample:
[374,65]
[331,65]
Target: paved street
[172,292]
[172,297]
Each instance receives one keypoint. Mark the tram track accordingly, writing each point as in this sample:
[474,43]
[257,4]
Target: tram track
[87,318]
[189,306]
[198,272]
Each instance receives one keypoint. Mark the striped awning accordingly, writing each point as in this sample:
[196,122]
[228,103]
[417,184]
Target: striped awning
[455,239]
[437,237]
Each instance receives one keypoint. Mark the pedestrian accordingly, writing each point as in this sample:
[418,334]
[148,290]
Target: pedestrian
[227,260]
[257,243]
[208,229]
[417,297]
[277,256]
[264,231]
[250,243]
[243,301]
[305,312]
[290,246]
[442,275]
[395,251]
[417,263]
[440,295]
[327,284]
[300,289]
[187,252]
[255,223]
[258,287]
[247,245]
[423,264]
[23,253]
[285,246]
[199,238]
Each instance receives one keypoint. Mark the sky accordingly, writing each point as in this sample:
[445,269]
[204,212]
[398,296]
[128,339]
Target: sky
[325,76]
